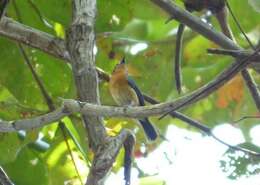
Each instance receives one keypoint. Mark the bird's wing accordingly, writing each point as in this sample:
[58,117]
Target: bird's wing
[140,96]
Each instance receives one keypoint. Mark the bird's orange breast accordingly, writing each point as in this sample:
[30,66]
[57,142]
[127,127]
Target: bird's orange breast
[121,92]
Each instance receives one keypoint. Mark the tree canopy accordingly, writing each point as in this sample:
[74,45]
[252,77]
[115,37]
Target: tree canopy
[140,31]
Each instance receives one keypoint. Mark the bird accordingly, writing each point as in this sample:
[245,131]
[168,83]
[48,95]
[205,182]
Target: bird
[126,93]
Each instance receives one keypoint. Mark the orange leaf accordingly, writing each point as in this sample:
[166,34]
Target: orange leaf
[232,91]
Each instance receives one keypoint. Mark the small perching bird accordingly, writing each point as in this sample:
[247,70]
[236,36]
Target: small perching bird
[126,93]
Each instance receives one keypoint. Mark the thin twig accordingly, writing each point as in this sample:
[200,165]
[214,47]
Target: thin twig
[38,12]
[80,47]
[44,92]
[246,117]
[233,53]
[178,57]
[252,86]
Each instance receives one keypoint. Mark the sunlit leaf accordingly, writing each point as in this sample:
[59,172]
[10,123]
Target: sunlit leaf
[237,164]
[60,32]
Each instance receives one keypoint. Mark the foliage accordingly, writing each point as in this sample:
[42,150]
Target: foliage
[237,164]
[132,28]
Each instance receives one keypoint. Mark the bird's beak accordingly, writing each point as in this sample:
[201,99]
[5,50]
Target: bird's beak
[122,61]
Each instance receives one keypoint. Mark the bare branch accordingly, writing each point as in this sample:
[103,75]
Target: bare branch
[31,123]
[252,86]
[178,57]
[80,44]
[233,53]
[34,38]
[4,179]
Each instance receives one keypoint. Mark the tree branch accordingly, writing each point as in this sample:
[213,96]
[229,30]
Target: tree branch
[4,179]
[31,123]
[73,106]
[34,38]
[204,29]
[233,53]
[80,44]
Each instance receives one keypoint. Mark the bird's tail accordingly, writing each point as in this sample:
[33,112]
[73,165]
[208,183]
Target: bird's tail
[148,129]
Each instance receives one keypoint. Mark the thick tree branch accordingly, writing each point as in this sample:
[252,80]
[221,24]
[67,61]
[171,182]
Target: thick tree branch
[33,37]
[80,44]
[31,123]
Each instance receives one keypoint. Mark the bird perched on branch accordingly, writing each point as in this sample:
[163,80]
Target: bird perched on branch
[125,93]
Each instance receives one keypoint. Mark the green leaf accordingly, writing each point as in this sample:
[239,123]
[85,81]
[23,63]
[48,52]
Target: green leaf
[16,76]
[113,14]
[60,165]
[10,145]
[28,169]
